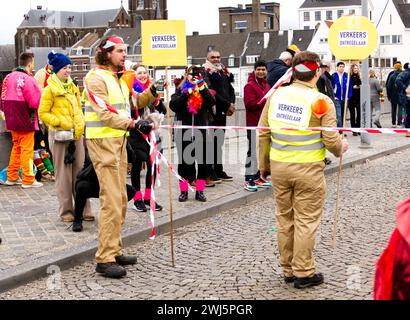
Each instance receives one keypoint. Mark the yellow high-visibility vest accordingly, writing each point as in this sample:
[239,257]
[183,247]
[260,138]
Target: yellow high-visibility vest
[118,97]
[291,107]
[2,122]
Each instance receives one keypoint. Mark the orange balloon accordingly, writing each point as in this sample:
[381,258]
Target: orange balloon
[320,107]
[129,77]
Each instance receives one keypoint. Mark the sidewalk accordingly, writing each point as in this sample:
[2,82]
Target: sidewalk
[33,238]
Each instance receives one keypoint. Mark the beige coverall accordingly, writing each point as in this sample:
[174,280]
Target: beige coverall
[109,157]
[300,191]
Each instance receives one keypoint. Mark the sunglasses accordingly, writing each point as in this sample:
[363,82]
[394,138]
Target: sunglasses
[215,57]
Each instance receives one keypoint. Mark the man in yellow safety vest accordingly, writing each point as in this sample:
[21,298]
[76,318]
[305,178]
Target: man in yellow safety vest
[295,160]
[108,119]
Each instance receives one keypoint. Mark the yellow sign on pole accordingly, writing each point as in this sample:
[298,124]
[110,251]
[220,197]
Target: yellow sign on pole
[353,38]
[163,43]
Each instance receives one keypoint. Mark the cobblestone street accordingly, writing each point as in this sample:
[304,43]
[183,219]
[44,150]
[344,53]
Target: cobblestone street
[234,255]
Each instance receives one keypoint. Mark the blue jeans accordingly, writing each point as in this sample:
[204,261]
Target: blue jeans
[340,106]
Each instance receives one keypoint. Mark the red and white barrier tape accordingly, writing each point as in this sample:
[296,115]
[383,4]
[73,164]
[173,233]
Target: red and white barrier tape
[345,130]
[155,158]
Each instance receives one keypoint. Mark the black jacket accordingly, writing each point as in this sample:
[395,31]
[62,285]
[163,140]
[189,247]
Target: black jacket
[402,82]
[221,83]
[355,98]
[276,69]
[179,104]
[324,85]
[392,91]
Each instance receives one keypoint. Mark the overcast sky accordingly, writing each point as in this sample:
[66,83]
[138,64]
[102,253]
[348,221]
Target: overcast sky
[200,15]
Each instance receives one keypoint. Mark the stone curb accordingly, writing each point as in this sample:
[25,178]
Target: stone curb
[28,272]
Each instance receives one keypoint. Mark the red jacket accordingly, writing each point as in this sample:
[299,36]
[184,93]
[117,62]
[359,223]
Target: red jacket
[392,279]
[254,91]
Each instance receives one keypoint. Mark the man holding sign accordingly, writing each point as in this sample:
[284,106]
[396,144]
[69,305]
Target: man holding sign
[295,160]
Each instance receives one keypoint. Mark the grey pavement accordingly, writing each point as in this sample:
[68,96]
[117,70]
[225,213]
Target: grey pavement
[233,255]
[34,238]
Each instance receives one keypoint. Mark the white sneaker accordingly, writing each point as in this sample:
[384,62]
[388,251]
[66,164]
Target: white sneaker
[35,184]
[13,183]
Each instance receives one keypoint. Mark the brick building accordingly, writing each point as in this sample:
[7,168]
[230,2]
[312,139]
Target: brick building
[63,29]
[255,17]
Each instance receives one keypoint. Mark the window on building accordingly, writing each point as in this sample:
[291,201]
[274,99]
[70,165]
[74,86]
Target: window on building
[241,25]
[189,60]
[376,63]
[370,62]
[36,40]
[79,51]
[265,24]
[23,42]
[173,77]
[370,15]
[58,40]
[75,67]
[49,40]
[391,19]
[68,41]
[306,27]
[318,16]
[140,5]
[329,15]
[251,59]
[231,60]
[396,39]
[352,12]
[395,59]
[383,62]
[388,63]
[306,16]
[340,13]
[271,24]
[386,39]
[85,67]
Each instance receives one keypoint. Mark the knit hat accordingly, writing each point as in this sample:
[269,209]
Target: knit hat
[58,61]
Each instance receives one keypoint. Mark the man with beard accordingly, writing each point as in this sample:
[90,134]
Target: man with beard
[107,116]
[220,80]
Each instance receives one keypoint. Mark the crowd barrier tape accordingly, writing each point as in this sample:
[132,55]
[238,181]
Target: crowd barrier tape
[343,130]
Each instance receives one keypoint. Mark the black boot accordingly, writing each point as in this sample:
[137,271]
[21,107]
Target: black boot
[111,270]
[77,226]
[301,283]
[200,196]
[183,197]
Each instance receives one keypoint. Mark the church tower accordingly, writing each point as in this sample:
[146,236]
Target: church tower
[147,9]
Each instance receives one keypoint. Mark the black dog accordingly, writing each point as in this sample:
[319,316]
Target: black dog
[86,187]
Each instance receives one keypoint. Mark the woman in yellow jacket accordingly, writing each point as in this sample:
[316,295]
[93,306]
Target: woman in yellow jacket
[60,109]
